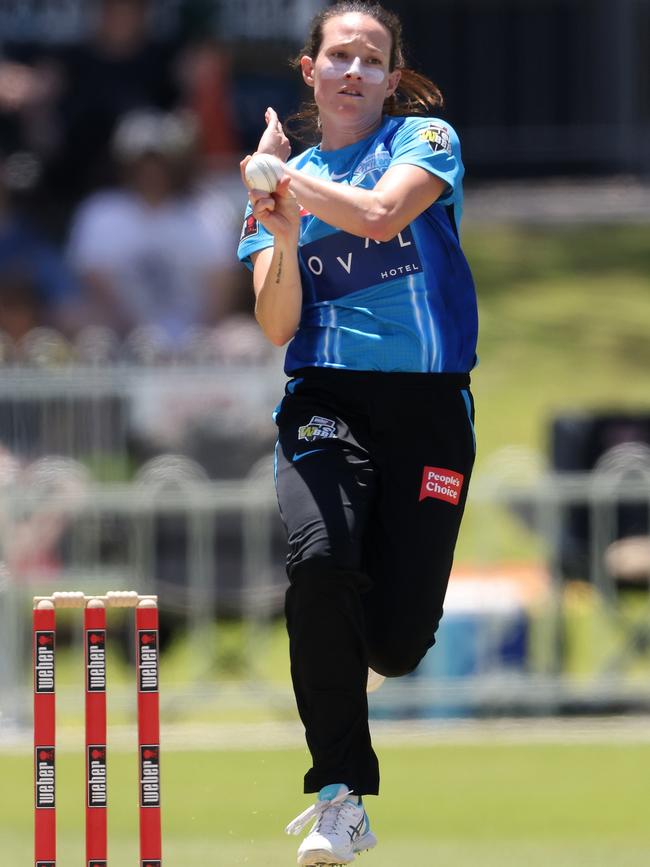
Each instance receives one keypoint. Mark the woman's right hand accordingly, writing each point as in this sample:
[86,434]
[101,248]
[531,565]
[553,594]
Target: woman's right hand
[274,140]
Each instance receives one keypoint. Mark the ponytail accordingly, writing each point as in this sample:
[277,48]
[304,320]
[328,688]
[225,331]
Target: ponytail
[415,95]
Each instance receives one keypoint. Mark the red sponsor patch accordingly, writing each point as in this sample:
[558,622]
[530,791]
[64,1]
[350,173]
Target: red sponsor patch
[441,485]
[249,228]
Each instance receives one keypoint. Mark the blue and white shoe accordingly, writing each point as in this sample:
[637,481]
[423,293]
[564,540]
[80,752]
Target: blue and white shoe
[340,830]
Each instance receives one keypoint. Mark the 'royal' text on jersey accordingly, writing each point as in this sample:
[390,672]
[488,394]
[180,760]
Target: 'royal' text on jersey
[340,263]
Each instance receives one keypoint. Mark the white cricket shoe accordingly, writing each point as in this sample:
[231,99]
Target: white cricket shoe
[340,831]
[375,680]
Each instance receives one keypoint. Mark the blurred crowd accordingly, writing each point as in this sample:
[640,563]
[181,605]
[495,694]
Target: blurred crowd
[118,211]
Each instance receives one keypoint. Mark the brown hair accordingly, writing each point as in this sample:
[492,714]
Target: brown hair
[415,94]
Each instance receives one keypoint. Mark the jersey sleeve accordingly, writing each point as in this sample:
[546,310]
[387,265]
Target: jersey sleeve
[433,145]
[253,238]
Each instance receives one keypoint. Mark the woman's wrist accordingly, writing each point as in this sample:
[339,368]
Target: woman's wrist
[287,241]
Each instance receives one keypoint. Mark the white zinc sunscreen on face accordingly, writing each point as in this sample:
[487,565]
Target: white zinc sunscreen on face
[342,67]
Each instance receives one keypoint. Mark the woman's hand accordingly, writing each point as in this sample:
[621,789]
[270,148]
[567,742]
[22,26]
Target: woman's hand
[279,211]
[273,140]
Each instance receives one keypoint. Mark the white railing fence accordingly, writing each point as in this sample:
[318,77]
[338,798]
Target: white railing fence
[211,548]
[200,527]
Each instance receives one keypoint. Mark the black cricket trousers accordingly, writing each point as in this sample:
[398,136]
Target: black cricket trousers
[372,476]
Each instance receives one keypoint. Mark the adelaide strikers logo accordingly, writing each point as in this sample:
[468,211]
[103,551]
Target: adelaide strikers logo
[319,428]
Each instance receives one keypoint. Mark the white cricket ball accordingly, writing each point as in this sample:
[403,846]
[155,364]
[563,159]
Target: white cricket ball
[263,172]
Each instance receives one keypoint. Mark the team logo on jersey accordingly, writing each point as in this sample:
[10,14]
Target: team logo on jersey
[374,162]
[249,228]
[438,138]
[441,484]
[319,428]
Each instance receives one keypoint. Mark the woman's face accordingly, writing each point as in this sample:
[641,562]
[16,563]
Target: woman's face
[350,75]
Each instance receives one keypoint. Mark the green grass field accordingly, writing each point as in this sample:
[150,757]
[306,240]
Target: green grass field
[449,805]
[563,325]
[563,315]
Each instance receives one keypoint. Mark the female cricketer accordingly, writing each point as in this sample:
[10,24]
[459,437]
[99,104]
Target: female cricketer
[357,265]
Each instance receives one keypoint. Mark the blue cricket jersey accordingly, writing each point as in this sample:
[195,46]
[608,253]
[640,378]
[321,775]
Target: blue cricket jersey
[407,304]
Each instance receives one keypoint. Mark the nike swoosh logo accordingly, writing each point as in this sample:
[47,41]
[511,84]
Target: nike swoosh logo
[338,177]
[297,457]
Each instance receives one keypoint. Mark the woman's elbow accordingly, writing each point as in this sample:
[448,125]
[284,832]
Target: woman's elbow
[381,227]
[381,235]
[278,338]
[276,334]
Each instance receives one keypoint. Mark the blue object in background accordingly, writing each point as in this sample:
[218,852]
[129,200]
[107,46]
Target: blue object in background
[484,632]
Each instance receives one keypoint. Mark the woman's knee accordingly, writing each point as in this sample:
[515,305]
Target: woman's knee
[397,658]
[397,645]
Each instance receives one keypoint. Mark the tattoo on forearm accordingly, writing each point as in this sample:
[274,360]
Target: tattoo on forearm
[278,275]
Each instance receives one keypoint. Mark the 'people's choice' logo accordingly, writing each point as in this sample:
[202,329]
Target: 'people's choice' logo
[441,484]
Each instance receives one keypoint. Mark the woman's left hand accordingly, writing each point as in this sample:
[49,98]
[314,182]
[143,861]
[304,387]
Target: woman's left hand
[273,140]
[278,212]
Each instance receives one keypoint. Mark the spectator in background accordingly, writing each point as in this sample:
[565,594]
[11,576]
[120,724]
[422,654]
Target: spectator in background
[65,105]
[119,69]
[36,287]
[207,81]
[27,95]
[154,252]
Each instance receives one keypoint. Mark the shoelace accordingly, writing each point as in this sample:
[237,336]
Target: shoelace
[315,811]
